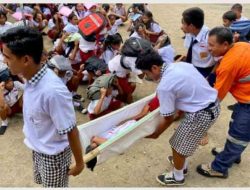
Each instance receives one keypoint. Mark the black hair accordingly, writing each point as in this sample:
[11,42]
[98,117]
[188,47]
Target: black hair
[222,34]
[146,61]
[106,7]
[2,13]
[138,25]
[194,16]
[229,15]
[112,40]
[23,40]
[151,19]
[71,16]
[237,6]
[140,6]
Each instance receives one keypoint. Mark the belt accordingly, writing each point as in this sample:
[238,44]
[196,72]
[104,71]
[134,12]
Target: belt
[209,110]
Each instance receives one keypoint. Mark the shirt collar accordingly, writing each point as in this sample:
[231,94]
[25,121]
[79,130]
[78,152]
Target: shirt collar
[202,34]
[38,76]
[163,68]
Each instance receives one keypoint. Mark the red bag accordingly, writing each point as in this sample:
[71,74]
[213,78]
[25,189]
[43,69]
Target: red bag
[91,25]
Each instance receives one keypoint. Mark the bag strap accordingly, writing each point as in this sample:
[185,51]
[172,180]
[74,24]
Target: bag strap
[122,63]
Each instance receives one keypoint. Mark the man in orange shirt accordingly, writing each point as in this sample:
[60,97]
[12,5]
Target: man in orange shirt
[233,75]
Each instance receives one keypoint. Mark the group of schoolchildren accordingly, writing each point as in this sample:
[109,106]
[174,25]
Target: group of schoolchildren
[98,58]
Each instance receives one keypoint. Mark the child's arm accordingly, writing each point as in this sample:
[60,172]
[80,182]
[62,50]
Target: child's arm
[72,56]
[124,18]
[75,145]
[98,107]
[2,102]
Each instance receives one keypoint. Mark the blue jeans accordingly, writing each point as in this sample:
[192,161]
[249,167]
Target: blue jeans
[239,137]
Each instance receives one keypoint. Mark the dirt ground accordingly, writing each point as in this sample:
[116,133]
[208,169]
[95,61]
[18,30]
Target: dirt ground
[139,166]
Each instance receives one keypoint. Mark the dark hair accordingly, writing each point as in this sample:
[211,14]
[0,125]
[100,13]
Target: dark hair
[140,6]
[146,61]
[237,6]
[112,40]
[229,15]
[24,41]
[71,16]
[194,16]
[151,19]
[222,34]
[138,25]
[3,14]
[106,7]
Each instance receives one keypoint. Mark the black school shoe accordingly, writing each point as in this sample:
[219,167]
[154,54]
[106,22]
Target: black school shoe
[207,171]
[168,179]
[231,107]
[216,151]
[171,161]
[92,163]
[3,129]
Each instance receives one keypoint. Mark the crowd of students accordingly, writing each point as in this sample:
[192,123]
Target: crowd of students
[75,58]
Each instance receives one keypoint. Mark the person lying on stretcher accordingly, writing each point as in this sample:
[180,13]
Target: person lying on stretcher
[98,140]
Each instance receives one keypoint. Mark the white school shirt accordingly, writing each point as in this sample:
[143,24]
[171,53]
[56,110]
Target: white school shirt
[105,104]
[114,66]
[5,27]
[117,129]
[200,54]
[120,11]
[167,53]
[135,35]
[183,88]
[114,27]
[86,46]
[11,97]
[155,27]
[48,113]
[3,66]
[108,54]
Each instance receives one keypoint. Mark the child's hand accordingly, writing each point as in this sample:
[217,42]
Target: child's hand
[76,169]
[103,92]
[2,85]
[98,73]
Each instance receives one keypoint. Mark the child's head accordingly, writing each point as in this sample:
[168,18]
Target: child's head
[37,16]
[228,17]
[137,8]
[192,20]
[112,19]
[140,28]
[113,41]
[119,5]
[106,7]
[147,17]
[9,84]
[79,7]
[3,18]
[237,9]
[72,18]
[6,78]
[150,64]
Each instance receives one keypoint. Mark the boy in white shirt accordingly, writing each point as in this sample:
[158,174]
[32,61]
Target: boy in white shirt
[49,118]
[4,25]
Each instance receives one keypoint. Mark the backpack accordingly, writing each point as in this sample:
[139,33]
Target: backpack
[104,81]
[94,63]
[134,47]
[243,28]
[92,25]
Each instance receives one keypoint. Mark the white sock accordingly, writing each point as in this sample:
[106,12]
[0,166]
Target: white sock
[5,122]
[76,103]
[178,174]
[185,164]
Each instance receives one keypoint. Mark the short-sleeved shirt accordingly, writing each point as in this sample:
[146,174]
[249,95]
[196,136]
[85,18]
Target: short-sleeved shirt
[115,66]
[200,54]
[114,28]
[233,73]
[105,105]
[108,54]
[155,27]
[86,46]
[11,97]
[48,113]
[135,35]
[5,27]
[167,53]
[183,88]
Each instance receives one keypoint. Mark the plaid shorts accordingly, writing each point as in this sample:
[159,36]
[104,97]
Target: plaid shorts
[192,129]
[52,170]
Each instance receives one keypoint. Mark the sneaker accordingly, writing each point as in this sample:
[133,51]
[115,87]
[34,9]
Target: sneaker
[231,107]
[206,170]
[3,129]
[216,151]
[168,179]
[78,98]
[171,161]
